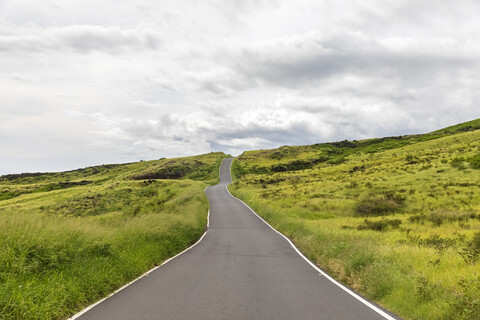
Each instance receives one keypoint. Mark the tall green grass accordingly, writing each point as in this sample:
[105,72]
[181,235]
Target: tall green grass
[63,249]
[397,219]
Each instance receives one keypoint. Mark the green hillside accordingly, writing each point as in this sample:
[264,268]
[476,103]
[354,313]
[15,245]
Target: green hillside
[70,238]
[396,218]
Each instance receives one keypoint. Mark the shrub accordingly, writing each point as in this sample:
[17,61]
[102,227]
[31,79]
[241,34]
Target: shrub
[293,166]
[424,289]
[171,172]
[357,168]
[466,305]
[471,252]
[238,170]
[475,161]
[284,152]
[379,225]
[352,185]
[458,163]
[5,195]
[337,160]
[379,205]
[438,217]
[323,158]
[411,159]
[258,170]
[438,243]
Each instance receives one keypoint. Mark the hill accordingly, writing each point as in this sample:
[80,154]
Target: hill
[71,238]
[396,218]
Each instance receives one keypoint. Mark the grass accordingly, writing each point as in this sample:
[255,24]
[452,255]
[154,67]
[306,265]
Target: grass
[397,219]
[71,238]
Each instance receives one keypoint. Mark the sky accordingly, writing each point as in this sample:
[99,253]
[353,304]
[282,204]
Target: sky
[110,81]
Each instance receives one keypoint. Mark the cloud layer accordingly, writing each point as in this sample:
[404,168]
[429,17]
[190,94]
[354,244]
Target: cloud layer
[97,82]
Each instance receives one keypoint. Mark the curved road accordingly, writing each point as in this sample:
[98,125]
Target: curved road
[242,269]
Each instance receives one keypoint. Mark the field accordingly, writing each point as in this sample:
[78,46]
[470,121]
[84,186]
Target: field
[397,219]
[71,238]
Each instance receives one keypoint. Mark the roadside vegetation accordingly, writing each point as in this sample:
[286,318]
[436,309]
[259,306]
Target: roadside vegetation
[397,218]
[71,238]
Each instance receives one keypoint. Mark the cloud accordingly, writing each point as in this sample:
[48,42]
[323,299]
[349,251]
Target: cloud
[307,59]
[82,39]
[288,120]
[91,82]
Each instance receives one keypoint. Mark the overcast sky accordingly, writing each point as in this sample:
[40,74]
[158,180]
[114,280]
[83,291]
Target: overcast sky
[90,82]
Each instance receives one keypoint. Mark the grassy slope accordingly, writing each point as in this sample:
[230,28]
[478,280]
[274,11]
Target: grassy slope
[398,219]
[70,238]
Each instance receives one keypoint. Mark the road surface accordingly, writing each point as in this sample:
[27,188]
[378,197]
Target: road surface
[241,269]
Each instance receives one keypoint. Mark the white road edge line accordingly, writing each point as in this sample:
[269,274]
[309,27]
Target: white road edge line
[77,315]
[341,286]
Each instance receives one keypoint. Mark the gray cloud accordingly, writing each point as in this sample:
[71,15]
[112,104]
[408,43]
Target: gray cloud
[306,59]
[81,39]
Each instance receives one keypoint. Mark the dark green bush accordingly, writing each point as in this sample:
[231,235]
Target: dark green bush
[357,168]
[475,161]
[284,152]
[379,205]
[411,159]
[337,160]
[293,166]
[173,172]
[471,253]
[379,225]
[238,170]
[441,216]
[344,144]
[440,244]
[5,195]
[195,170]
[458,163]
[258,170]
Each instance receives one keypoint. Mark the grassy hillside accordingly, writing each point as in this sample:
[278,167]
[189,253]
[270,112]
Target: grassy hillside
[70,238]
[397,218]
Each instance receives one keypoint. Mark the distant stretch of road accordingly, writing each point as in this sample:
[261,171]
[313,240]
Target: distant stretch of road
[241,269]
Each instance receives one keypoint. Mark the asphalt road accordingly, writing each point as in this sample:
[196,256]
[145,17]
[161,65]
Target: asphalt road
[242,269]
